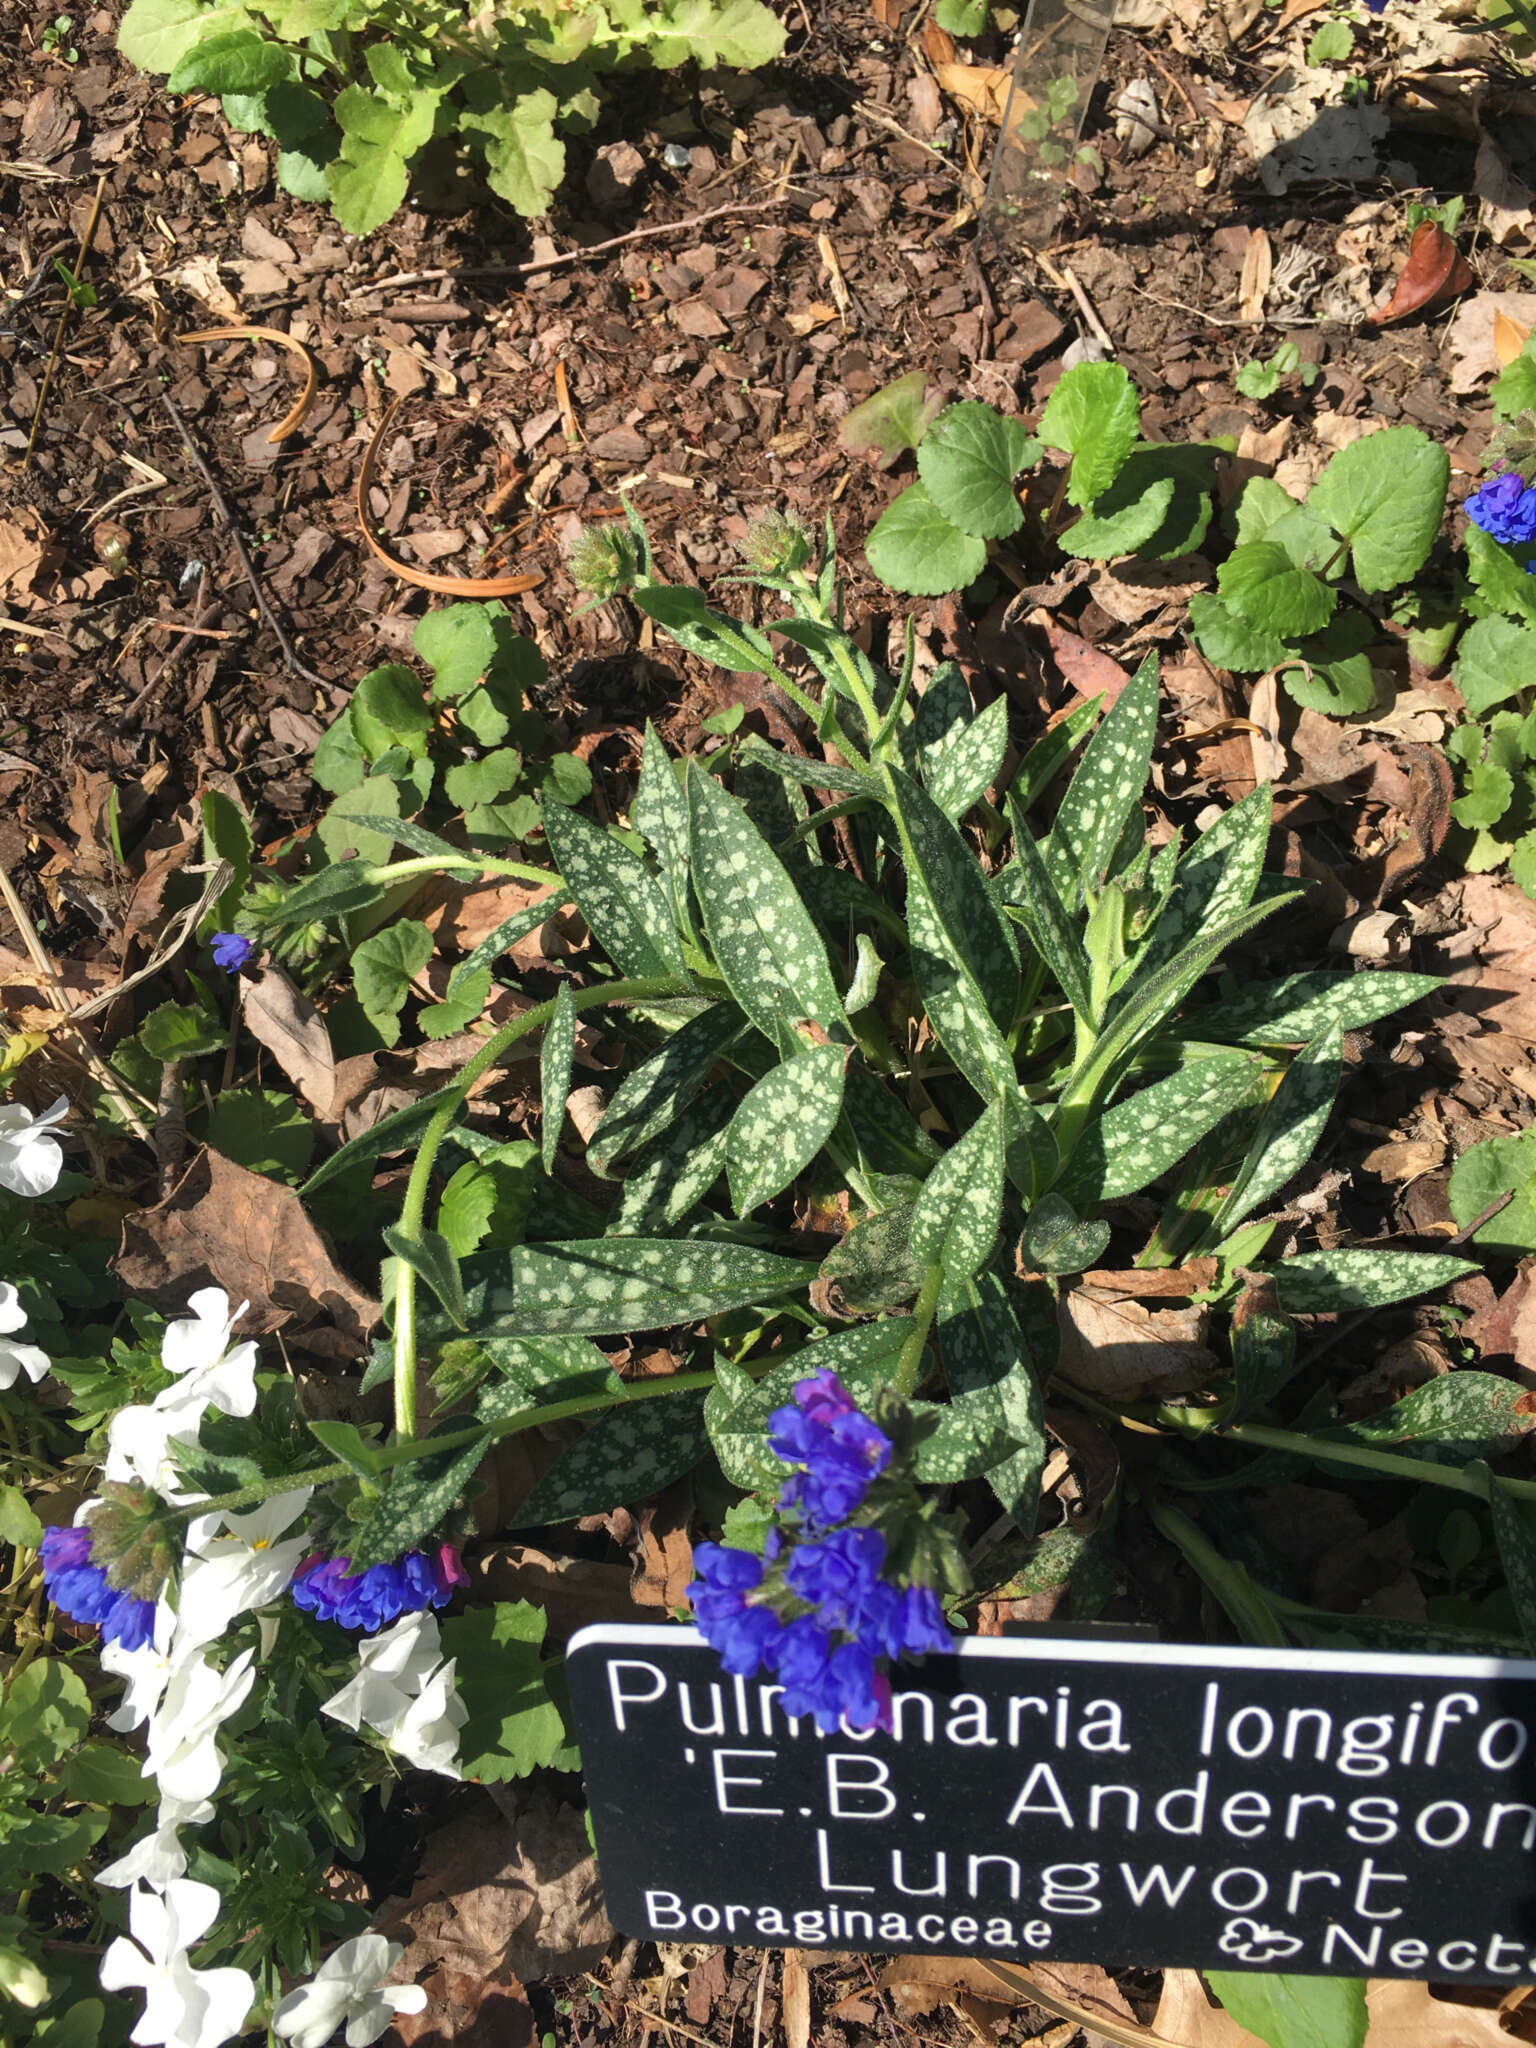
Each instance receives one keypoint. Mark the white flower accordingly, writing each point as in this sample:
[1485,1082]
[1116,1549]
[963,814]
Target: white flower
[183,2007]
[158,1858]
[147,1670]
[392,1669]
[228,1575]
[139,1441]
[30,1161]
[199,1344]
[182,1750]
[16,1358]
[209,1375]
[406,1696]
[348,1985]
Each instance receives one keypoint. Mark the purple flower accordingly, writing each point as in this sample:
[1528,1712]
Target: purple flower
[827,1681]
[838,1576]
[79,1588]
[744,1635]
[370,1600]
[904,1622]
[231,951]
[1505,508]
[841,1450]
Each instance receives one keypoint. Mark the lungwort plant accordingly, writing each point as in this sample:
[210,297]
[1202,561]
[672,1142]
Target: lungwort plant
[362,93]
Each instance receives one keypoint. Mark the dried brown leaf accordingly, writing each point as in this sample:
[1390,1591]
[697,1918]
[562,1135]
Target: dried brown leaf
[1186,2014]
[1405,2014]
[1435,272]
[1113,1347]
[469,2011]
[294,1032]
[982,87]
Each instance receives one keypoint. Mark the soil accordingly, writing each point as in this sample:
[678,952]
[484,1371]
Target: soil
[733,265]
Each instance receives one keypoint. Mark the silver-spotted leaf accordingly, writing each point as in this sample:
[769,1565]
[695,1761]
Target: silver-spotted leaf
[656,1093]
[631,1453]
[606,1286]
[676,1171]
[1328,1283]
[960,1205]
[1215,879]
[782,1123]
[616,893]
[1026,884]
[556,1055]
[1288,1132]
[1138,1139]
[969,761]
[994,1395]
[1298,1006]
[1106,789]
[737,1410]
[660,815]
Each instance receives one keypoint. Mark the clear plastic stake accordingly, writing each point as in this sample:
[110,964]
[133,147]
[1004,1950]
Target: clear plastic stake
[1057,65]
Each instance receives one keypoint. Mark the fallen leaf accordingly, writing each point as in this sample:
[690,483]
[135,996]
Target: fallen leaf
[1090,672]
[795,2000]
[1258,269]
[294,1032]
[467,916]
[1469,338]
[1406,2014]
[1404,1159]
[1436,271]
[1505,202]
[1509,338]
[1113,1347]
[1155,1283]
[199,276]
[222,1226]
[663,1559]
[1186,2014]
[24,543]
[470,2011]
[982,87]
[520,1896]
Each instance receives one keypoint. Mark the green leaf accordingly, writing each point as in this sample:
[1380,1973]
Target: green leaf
[263,1130]
[1104,792]
[367,181]
[872,1266]
[914,548]
[459,644]
[631,1453]
[339,762]
[1093,415]
[239,60]
[556,1055]
[659,813]
[1263,1361]
[514,1727]
[764,942]
[782,1123]
[962,17]
[963,956]
[1466,1414]
[392,1133]
[1338,678]
[462,1003]
[45,1844]
[993,1391]
[332,892]
[616,893]
[1057,1240]
[959,1208]
[1294,2012]
[19,1527]
[1332,43]
[1298,1006]
[1332,1282]
[1485,797]
[968,460]
[1500,575]
[1123,518]
[344,827]
[179,1031]
[1228,640]
[1288,1132]
[226,836]
[740,33]
[156,34]
[1495,661]
[1385,495]
[1026,884]
[383,969]
[894,418]
[1498,1166]
[688,618]
[429,1255]
[960,771]
[102,1775]
[606,1286]
[1514,1532]
[677,1170]
[468,1204]
[1140,1138]
[1514,389]
[46,1714]
[1259,582]
[416,1500]
[567,780]
[650,1099]
[346,1442]
[387,710]
[493,776]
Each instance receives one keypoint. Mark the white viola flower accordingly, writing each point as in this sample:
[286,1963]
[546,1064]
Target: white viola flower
[16,1358]
[182,1750]
[392,1669]
[427,1733]
[158,1858]
[197,1349]
[183,2007]
[148,1670]
[30,1160]
[348,1985]
[139,1440]
[229,1575]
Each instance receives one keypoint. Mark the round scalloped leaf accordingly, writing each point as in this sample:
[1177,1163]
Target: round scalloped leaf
[914,548]
[968,460]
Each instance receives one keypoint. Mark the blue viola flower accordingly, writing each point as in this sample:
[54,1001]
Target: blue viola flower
[79,1588]
[230,951]
[370,1600]
[1505,508]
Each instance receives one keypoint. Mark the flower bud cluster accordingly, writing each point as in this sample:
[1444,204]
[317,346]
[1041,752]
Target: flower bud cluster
[823,1609]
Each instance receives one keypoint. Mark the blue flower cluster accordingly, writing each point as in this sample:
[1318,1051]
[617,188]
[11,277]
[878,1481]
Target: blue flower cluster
[1505,507]
[819,1614]
[80,1589]
[329,1589]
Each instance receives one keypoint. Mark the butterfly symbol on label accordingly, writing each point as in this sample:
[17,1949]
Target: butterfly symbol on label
[1250,1941]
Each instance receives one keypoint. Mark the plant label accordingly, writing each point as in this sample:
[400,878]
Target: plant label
[1317,1812]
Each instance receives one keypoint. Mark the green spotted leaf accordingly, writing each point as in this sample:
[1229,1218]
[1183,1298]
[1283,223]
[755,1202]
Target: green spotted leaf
[782,1123]
[1331,1282]
[556,1055]
[1215,879]
[432,1258]
[660,815]
[677,1170]
[415,1500]
[651,1099]
[737,1410]
[872,1267]
[634,1451]
[994,1395]
[964,960]
[539,1372]
[1106,789]
[616,893]
[1263,1361]
[1476,1413]
[1298,1006]
[1514,1531]
[1026,884]
[1288,1132]
[1057,1240]
[606,1286]
[960,1206]
[1138,1139]
[767,948]
[960,771]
